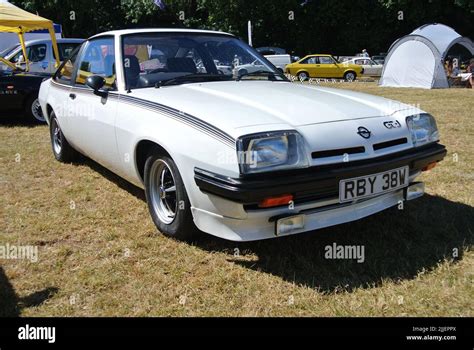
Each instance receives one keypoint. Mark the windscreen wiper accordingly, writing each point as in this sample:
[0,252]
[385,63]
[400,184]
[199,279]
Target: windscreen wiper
[191,78]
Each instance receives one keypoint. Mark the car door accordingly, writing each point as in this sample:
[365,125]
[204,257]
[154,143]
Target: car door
[311,65]
[92,120]
[376,68]
[328,67]
[11,97]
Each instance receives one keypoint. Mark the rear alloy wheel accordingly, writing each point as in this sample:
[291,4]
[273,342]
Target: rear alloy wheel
[62,150]
[302,76]
[166,197]
[33,110]
[350,76]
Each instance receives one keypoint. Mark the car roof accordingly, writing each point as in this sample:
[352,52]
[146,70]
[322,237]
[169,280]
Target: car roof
[59,41]
[157,30]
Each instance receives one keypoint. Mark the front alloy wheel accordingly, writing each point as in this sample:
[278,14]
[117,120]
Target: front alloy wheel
[349,76]
[163,191]
[166,197]
[62,150]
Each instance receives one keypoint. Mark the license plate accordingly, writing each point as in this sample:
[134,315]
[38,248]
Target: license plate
[371,185]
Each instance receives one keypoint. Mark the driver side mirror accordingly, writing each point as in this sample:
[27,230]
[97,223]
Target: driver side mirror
[96,83]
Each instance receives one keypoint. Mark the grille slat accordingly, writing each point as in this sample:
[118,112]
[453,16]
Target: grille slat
[391,143]
[337,152]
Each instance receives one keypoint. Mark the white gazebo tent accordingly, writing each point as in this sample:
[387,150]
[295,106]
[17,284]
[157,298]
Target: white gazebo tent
[417,60]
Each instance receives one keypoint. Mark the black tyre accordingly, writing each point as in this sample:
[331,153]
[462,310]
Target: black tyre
[33,110]
[350,76]
[303,76]
[166,197]
[62,150]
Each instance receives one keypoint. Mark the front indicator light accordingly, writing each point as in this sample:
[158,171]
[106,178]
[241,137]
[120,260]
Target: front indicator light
[429,166]
[269,202]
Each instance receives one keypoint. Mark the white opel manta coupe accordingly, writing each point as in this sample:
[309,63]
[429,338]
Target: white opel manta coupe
[240,156]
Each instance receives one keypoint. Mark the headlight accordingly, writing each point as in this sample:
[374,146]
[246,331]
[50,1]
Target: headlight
[271,151]
[423,129]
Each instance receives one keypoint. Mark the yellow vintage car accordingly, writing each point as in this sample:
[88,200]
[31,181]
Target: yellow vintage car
[323,66]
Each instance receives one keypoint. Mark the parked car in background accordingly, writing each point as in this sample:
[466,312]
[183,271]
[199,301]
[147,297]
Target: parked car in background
[380,59]
[19,92]
[323,66]
[270,50]
[279,61]
[40,54]
[239,158]
[371,68]
[254,66]
[343,59]
[278,56]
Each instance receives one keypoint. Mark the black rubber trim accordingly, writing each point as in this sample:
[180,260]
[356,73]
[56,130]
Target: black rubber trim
[390,143]
[314,182]
[337,152]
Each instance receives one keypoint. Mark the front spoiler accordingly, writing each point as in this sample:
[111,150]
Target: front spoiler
[314,182]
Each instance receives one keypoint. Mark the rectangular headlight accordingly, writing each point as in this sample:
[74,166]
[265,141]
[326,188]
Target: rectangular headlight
[271,151]
[423,129]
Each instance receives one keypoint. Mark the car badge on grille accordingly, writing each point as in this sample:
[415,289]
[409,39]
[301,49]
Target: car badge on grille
[364,132]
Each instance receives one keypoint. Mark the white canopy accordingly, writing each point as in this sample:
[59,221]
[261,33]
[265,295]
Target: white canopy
[416,60]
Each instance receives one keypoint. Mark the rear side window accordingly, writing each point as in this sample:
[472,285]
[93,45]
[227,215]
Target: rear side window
[310,60]
[325,60]
[36,53]
[66,70]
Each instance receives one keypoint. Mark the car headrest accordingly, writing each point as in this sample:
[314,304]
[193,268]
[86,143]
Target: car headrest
[181,64]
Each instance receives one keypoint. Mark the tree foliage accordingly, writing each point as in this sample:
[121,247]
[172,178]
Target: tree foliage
[301,26]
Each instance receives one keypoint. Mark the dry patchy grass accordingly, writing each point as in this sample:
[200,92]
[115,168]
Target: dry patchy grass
[104,258]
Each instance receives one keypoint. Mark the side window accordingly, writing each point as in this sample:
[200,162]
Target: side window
[98,58]
[66,70]
[36,53]
[326,60]
[310,60]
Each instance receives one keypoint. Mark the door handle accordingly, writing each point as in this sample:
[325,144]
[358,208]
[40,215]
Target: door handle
[72,96]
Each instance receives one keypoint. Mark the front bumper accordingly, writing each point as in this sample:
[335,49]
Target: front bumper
[312,183]
[263,224]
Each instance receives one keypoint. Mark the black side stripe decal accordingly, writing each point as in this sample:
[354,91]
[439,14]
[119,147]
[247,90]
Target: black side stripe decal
[181,116]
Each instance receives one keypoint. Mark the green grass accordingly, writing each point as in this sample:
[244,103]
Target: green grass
[105,257]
